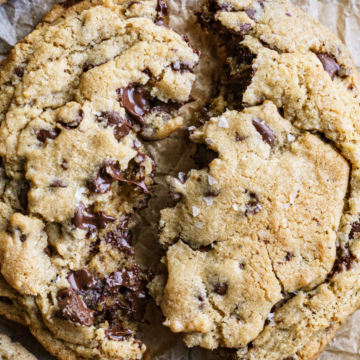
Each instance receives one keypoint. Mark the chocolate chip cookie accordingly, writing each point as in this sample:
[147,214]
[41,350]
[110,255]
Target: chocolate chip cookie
[262,249]
[10,350]
[78,98]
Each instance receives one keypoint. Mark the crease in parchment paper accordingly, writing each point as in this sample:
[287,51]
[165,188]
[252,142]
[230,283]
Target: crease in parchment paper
[342,17]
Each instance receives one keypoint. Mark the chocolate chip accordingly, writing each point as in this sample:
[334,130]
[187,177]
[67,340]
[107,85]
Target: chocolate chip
[329,64]
[135,100]
[44,134]
[263,129]
[251,13]
[75,123]
[288,256]
[118,332]
[344,260]
[120,239]
[81,280]
[241,266]
[162,8]
[23,198]
[69,3]
[220,288]
[253,206]
[113,119]
[73,308]
[47,251]
[19,71]
[5,300]
[64,165]
[129,278]
[239,138]
[58,183]
[106,175]
[124,224]
[22,238]
[288,14]
[83,219]
[204,156]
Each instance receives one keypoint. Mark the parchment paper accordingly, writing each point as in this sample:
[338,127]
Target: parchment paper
[342,17]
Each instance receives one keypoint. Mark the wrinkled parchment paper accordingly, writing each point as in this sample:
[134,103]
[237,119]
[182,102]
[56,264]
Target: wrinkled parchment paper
[342,17]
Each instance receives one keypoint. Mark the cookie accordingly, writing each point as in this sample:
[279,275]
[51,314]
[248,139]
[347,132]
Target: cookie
[10,350]
[79,96]
[262,249]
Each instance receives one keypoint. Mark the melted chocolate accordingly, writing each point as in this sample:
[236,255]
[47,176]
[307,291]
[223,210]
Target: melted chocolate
[220,288]
[329,64]
[288,256]
[135,100]
[107,175]
[355,230]
[182,67]
[69,3]
[239,82]
[120,239]
[118,332]
[73,308]
[113,119]
[43,134]
[204,156]
[263,129]
[75,123]
[58,183]
[81,280]
[23,238]
[83,219]
[23,195]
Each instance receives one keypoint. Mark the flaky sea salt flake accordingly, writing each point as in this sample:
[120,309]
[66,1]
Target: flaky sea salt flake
[209,200]
[223,122]
[211,180]
[196,211]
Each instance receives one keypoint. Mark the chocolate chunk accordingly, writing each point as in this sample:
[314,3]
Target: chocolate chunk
[113,119]
[58,183]
[69,3]
[263,129]
[23,198]
[81,280]
[129,278]
[182,67]
[355,230]
[47,251]
[120,239]
[162,8]
[124,224]
[204,156]
[251,13]
[64,165]
[288,256]
[253,206]
[107,175]
[73,308]
[75,123]
[43,134]
[239,138]
[239,82]
[204,248]
[344,260]
[329,64]
[220,288]
[118,332]
[5,300]
[23,238]
[19,71]
[135,100]
[83,219]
